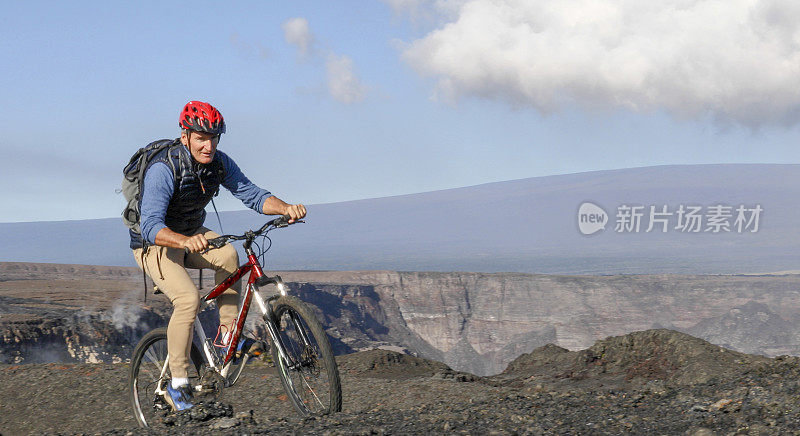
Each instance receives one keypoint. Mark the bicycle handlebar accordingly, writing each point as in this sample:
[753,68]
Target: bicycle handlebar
[220,241]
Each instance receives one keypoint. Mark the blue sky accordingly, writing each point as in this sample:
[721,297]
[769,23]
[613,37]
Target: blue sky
[389,97]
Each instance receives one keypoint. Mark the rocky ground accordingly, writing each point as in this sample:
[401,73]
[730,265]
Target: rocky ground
[649,382]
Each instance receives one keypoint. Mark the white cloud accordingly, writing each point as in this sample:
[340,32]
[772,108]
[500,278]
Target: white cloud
[417,6]
[343,83]
[298,34]
[427,10]
[403,5]
[734,60]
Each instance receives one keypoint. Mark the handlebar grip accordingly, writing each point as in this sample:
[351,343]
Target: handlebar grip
[281,221]
[217,242]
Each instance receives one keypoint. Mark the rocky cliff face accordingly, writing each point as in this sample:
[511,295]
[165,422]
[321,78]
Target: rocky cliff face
[479,322]
[474,322]
[69,313]
[751,328]
[72,336]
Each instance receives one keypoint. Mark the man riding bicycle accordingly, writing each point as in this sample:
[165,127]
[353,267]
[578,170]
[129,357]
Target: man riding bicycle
[178,184]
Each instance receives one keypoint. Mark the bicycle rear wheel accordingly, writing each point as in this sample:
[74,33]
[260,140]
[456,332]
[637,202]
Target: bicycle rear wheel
[308,372]
[148,361]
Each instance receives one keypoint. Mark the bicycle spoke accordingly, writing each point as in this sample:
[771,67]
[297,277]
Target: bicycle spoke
[150,354]
[312,391]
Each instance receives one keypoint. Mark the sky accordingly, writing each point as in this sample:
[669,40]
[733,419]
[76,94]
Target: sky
[333,101]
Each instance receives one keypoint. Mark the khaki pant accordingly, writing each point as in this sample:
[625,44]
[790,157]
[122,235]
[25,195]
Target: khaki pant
[167,268]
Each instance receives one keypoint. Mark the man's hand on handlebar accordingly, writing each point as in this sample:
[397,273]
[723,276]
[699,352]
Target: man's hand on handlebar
[195,243]
[295,212]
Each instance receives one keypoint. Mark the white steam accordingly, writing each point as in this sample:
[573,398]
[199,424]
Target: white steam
[127,311]
[733,60]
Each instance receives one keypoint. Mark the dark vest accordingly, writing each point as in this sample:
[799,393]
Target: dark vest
[195,185]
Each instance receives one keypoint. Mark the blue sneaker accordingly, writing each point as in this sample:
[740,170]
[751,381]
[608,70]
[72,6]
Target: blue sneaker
[180,398]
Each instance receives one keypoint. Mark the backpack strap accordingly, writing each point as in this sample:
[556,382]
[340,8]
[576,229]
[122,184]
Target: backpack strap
[179,148]
[215,211]
[221,175]
[145,243]
[144,276]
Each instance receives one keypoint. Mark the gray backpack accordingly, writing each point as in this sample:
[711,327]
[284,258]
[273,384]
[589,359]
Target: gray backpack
[133,176]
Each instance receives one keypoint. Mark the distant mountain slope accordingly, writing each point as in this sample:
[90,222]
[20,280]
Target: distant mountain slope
[527,225]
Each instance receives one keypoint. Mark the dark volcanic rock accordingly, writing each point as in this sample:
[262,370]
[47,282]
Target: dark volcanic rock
[651,382]
[675,358]
[542,360]
[390,364]
[202,412]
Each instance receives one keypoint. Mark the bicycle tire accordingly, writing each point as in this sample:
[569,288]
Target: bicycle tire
[146,363]
[237,367]
[318,367]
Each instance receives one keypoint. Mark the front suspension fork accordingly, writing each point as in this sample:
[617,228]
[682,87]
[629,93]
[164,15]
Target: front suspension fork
[272,322]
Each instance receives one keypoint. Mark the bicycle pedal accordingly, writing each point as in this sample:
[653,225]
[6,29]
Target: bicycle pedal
[159,403]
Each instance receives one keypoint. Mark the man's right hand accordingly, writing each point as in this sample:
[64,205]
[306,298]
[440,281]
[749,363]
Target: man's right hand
[195,243]
[295,212]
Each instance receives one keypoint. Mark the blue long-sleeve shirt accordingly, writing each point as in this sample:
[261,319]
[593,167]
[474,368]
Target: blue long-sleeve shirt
[159,185]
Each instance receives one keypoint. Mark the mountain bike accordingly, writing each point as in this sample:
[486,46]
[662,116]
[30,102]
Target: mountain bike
[300,348]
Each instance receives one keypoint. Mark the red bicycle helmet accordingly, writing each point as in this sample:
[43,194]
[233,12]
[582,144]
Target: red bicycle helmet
[202,117]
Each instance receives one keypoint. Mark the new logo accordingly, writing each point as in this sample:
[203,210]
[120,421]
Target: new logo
[591,218]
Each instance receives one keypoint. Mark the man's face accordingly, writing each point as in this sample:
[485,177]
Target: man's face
[201,145]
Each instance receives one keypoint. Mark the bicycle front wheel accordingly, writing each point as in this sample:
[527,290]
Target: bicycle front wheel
[307,369]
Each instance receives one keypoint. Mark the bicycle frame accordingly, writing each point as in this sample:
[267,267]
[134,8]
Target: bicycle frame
[257,278]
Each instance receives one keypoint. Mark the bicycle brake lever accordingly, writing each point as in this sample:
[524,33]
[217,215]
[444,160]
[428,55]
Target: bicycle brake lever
[187,251]
[212,244]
